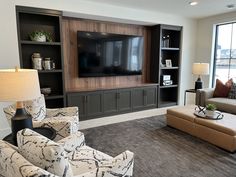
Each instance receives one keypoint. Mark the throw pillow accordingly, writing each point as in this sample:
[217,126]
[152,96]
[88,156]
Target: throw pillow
[43,153]
[221,89]
[232,92]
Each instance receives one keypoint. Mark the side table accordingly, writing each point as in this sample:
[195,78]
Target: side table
[45,131]
[189,91]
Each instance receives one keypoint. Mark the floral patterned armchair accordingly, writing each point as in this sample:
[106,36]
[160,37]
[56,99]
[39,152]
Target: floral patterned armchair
[38,156]
[65,121]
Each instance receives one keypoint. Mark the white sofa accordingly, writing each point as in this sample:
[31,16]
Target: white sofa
[205,96]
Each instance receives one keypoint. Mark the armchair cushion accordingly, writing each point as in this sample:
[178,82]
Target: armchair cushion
[86,158]
[64,126]
[36,108]
[72,142]
[59,112]
[13,164]
[122,165]
[43,153]
[88,162]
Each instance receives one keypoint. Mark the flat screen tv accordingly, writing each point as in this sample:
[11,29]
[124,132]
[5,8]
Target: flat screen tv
[106,54]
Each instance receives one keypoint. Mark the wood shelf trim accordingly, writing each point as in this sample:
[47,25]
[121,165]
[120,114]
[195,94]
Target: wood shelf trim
[111,87]
[169,48]
[50,71]
[39,43]
[168,86]
[53,97]
[176,67]
[167,103]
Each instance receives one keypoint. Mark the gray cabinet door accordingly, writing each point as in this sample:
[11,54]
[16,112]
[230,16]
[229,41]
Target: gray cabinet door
[77,99]
[150,94]
[110,104]
[94,104]
[138,101]
[124,100]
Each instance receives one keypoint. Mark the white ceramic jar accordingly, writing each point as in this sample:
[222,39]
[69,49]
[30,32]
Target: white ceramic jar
[36,61]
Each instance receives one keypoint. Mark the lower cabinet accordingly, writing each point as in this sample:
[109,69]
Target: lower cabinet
[115,101]
[144,98]
[124,100]
[89,103]
[118,100]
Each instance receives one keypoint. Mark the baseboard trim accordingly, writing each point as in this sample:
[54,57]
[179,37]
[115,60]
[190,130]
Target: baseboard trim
[121,118]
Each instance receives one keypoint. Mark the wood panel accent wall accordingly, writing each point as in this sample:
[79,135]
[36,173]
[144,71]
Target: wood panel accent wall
[70,26]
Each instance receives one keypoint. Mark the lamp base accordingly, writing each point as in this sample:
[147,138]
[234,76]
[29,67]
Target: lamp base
[20,121]
[198,84]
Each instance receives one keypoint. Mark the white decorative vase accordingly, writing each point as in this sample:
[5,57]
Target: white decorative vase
[210,113]
[41,38]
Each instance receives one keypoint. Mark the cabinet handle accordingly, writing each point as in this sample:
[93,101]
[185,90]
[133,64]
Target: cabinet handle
[145,92]
[118,95]
[85,99]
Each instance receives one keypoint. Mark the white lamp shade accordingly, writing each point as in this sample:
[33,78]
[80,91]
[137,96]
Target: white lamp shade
[19,85]
[200,68]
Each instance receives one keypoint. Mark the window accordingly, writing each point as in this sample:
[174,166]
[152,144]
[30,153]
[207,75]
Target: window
[225,52]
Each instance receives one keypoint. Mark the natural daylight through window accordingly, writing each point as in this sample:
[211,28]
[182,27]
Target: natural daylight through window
[225,52]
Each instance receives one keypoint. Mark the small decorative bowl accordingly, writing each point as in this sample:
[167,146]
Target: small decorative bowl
[46,91]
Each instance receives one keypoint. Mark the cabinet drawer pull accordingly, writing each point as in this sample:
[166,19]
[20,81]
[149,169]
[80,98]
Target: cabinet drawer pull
[118,95]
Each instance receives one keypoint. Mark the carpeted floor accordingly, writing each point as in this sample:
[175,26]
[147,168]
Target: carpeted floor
[161,151]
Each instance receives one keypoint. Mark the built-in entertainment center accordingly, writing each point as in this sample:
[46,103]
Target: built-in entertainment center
[104,68]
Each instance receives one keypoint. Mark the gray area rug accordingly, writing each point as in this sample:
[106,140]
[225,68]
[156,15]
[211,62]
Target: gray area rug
[162,151]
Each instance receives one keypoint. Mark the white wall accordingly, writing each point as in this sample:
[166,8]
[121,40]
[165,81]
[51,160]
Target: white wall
[206,37]
[8,36]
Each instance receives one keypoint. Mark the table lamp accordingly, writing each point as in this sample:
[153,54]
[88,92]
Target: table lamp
[18,85]
[200,69]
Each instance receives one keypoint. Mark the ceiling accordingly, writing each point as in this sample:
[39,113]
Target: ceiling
[177,7]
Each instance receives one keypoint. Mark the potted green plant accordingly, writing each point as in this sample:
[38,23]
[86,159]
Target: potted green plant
[210,110]
[40,36]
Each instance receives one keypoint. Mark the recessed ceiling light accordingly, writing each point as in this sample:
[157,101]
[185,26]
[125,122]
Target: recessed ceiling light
[193,3]
[230,6]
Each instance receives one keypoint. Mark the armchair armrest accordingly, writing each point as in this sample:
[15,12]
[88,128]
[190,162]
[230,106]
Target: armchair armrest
[72,142]
[60,112]
[14,164]
[64,126]
[122,165]
[202,95]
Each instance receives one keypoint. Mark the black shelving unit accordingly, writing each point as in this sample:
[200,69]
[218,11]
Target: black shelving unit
[166,45]
[31,19]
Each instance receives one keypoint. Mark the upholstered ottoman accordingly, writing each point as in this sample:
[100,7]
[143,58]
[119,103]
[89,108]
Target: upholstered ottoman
[218,132]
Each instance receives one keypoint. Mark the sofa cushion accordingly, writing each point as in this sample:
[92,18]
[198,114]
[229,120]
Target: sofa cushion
[43,153]
[225,125]
[223,104]
[232,92]
[222,90]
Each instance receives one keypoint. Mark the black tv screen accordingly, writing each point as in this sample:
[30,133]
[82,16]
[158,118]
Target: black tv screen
[106,54]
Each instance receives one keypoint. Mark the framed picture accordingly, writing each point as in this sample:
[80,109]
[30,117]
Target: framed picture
[168,63]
